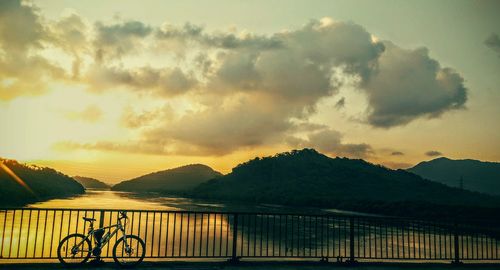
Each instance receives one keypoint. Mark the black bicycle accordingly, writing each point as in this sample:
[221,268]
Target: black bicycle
[76,249]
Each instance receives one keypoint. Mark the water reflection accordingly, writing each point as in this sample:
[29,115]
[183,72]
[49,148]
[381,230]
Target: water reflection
[107,199]
[35,233]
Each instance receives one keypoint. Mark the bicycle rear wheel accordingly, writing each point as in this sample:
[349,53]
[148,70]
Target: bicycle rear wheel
[129,251]
[74,249]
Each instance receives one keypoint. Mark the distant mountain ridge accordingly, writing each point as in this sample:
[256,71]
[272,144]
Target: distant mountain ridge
[475,175]
[88,182]
[306,177]
[40,183]
[171,180]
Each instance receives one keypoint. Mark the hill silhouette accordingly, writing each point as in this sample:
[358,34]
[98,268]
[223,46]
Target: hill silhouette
[476,175]
[88,182]
[308,178]
[41,183]
[172,180]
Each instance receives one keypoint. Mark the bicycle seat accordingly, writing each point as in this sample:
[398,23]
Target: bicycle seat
[88,219]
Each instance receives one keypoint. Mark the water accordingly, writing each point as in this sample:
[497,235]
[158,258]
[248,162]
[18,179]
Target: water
[35,234]
[107,199]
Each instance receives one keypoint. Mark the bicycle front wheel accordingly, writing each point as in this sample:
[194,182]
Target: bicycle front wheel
[129,251]
[74,249]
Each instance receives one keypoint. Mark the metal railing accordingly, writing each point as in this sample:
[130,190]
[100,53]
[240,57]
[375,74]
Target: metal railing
[29,233]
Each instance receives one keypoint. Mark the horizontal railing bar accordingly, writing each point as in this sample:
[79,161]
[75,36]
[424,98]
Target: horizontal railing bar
[199,212]
[444,221]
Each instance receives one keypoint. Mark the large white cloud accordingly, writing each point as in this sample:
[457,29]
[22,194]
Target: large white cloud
[248,89]
[22,70]
[408,84]
[253,89]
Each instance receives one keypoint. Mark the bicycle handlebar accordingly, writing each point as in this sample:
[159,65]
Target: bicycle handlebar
[123,214]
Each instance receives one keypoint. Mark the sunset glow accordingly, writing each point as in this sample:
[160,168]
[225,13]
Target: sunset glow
[117,89]
[16,178]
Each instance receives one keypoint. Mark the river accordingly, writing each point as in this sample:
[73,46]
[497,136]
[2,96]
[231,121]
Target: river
[184,227]
[36,233]
[108,199]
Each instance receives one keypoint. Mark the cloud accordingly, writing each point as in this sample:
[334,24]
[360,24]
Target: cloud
[91,114]
[296,65]
[302,69]
[397,165]
[26,76]
[134,119]
[308,127]
[218,130]
[175,37]
[70,34]
[254,95]
[340,103]
[330,141]
[244,89]
[493,42]
[127,147]
[20,27]
[23,72]
[397,153]
[116,40]
[401,85]
[251,90]
[164,82]
[408,84]
[433,153]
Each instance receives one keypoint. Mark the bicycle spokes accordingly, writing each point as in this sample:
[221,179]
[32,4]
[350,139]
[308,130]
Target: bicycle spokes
[74,249]
[129,250]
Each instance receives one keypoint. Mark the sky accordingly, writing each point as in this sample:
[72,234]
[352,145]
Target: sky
[118,89]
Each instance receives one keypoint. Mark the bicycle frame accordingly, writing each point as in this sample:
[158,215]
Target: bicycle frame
[118,227]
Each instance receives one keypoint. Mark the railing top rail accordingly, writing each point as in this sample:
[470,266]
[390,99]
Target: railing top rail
[444,221]
[199,212]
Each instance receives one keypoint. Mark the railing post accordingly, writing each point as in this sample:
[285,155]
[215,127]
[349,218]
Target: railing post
[234,257]
[456,259]
[351,242]
[101,219]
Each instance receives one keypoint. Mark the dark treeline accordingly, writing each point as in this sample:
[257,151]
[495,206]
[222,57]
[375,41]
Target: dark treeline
[303,178]
[172,180]
[308,178]
[88,182]
[41,183]
[468,174]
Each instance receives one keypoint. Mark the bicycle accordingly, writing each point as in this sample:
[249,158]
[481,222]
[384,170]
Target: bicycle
[76,249]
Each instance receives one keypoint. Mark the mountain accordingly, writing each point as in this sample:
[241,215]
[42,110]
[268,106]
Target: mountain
[476,175]
[177,179]
[88,182]
[308,178]
[22,184]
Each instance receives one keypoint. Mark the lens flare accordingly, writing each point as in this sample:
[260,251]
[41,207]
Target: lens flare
[16,178]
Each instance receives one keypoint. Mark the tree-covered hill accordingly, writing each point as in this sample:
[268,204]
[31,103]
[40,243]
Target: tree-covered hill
[471,174]
[172,180]
[308,178]
[88,182]
[21,184]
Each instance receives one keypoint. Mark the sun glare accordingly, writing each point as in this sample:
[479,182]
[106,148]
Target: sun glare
[16,178]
